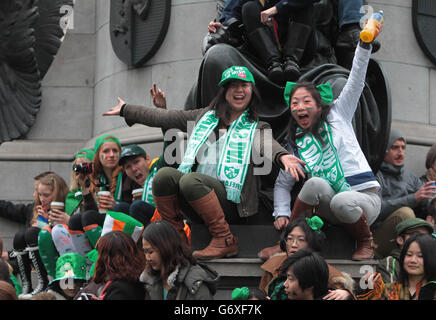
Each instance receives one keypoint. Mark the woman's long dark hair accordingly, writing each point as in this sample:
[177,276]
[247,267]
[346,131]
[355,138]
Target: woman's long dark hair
[172,249]
[314,128]
[222,107]
[428,250]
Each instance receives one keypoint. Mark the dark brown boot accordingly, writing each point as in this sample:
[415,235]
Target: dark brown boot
[223,243]
[364,240]
[169,210]
[300,209]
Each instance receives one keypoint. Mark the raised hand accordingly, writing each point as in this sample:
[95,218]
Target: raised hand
[115,111]
[158,97]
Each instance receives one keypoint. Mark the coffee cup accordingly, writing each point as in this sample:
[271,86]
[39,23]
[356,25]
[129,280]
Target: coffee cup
[100,208]
[56,205]
[137,193]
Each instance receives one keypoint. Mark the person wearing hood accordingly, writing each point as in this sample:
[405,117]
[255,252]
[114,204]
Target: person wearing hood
[171,271]
[403,194]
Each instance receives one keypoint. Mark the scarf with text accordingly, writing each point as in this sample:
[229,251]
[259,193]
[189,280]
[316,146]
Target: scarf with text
[235,157]
[322,161]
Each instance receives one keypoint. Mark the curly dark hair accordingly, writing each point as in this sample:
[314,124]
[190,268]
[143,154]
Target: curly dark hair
[119,258]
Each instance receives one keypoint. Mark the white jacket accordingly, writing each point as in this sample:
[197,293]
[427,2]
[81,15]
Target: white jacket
[356,169]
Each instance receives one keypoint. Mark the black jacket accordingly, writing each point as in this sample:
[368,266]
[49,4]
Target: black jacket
[21,213]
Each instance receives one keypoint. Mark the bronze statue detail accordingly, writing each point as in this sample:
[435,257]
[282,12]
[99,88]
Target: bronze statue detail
[30,36]
[138,28]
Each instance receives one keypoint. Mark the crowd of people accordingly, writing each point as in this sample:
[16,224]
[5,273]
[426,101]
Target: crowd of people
[121,230]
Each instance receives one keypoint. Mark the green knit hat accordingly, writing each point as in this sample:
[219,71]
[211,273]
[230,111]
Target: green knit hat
[105,138]
[70,265]
[85,153]
[240,293]
[236,73]
[412,223]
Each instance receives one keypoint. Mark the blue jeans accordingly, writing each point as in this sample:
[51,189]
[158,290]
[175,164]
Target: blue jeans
[349,11]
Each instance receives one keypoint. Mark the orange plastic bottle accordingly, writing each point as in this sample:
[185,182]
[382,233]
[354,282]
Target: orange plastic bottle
[369,32]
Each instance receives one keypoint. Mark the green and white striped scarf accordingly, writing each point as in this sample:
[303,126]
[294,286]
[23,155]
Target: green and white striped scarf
[118,189]
[235,157]
[147,194]
[322,161]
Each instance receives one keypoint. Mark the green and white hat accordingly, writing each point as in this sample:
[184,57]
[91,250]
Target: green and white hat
[236,73]
[118,221]
[70,265]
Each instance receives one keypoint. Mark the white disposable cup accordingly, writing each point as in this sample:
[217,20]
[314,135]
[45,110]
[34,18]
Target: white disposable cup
[56,205]
[100,208]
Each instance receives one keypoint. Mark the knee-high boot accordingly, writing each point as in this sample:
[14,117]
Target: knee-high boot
[223,243]
[293,50]
[364,240]
[41,273]
[169,209]
[24,269]
[301,209]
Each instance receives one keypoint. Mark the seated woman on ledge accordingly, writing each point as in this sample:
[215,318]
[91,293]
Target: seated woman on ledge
[222,187]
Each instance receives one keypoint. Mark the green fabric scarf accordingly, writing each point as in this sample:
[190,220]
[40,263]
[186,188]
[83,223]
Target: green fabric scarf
[73,200]
[147,194]
[322,161]
[235,157]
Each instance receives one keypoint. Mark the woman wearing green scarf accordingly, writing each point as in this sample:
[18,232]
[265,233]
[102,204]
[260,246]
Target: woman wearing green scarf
[221,187]
[106,176]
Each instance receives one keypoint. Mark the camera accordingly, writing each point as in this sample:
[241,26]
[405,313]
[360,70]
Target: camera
[85,168]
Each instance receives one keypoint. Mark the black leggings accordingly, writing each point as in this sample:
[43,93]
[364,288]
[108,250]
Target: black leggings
[26,238]
[251,17]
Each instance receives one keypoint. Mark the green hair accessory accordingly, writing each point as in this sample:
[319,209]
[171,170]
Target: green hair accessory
[240,293]
[325,91]
[315,223]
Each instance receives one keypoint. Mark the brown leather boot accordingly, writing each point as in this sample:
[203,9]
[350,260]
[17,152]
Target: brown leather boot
[223,243]
[299,208]
[364,240]
[169,210]
[267,253]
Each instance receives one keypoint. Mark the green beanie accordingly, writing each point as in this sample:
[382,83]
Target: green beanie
[85,153]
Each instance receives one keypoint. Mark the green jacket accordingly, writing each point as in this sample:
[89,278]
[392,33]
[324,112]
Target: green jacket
[389,267]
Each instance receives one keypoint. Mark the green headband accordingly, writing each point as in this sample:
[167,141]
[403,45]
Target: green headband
[325,91]
[315,223]
[85,153]
[105,138]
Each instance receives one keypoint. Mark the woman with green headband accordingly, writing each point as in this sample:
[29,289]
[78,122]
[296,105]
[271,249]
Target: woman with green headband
[302,233]
[106,176]
[341,182]
[221,186]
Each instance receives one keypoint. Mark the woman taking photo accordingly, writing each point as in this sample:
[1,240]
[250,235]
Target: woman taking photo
[221,187]
[171,272]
